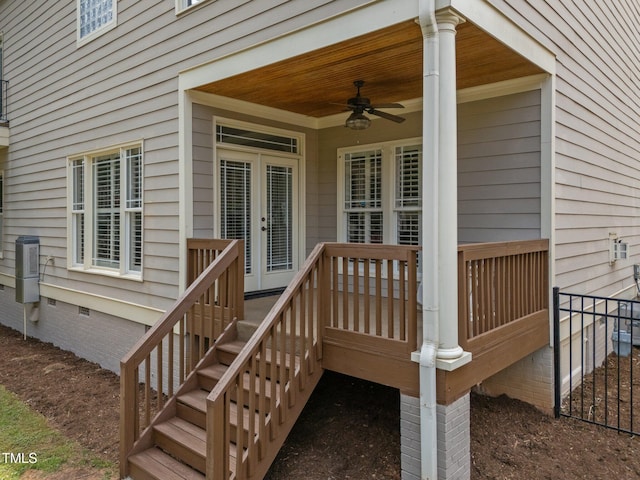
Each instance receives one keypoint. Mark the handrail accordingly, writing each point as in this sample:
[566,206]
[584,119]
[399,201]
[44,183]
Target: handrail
[498,284]
[373,292]
[161,336]
[289,329]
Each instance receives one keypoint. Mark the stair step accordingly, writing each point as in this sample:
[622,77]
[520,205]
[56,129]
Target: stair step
[183,440]
[209,376]
[228,351]
[154,464]
[192,408]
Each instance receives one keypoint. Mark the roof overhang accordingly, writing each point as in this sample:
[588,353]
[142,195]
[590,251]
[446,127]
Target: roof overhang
[310,73]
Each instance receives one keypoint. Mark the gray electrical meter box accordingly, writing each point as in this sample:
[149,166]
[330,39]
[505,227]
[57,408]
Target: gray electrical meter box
[27,269]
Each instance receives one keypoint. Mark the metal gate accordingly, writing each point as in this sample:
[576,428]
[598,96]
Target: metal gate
[596,362]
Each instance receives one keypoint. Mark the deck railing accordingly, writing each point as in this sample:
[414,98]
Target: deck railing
[373,293]
[170,348]
[277,362]
[500,284]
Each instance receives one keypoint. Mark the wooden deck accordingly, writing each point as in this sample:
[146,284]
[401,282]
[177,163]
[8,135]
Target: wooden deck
[351,308]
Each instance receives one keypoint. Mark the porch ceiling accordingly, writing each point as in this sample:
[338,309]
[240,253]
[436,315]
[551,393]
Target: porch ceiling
[388,60]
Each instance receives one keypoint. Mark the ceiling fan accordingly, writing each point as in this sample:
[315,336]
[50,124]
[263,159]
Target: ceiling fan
[358,120]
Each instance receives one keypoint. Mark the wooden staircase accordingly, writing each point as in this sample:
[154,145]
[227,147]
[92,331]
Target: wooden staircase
[176,448]
[237,398]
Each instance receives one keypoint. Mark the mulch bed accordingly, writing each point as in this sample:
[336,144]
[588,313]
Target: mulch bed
[339,436]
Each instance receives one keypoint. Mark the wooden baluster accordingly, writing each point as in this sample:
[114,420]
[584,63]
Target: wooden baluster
[367,297]
[378,298]
[160,372]
[402,298]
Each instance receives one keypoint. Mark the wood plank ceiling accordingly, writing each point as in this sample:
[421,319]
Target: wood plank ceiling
[388,60]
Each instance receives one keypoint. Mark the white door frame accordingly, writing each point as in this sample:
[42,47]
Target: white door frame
[259,279]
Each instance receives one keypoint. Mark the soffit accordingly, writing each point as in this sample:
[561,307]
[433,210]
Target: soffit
[388,60]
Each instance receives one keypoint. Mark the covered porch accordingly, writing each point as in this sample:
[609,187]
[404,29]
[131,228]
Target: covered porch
[464,177]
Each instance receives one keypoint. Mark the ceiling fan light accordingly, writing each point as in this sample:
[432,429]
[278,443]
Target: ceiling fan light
[358,121]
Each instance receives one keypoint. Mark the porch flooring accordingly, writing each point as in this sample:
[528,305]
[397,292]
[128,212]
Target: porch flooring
[256,309]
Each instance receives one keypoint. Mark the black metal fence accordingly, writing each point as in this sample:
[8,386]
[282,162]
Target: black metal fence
[4,87]
[596,360]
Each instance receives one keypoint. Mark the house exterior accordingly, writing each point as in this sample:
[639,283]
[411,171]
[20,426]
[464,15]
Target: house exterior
[127,128]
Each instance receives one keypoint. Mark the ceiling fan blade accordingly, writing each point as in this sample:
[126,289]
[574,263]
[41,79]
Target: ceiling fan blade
[387,105]
[345,105]
[385,115]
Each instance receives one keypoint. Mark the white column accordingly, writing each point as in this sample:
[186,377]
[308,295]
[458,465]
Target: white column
[448,190]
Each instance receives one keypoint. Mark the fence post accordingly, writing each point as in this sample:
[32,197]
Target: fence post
[557,381]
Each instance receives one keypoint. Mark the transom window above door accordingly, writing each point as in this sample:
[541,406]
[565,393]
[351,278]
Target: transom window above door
[380,193]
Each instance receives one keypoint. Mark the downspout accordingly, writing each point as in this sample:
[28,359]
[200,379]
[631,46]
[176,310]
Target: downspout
[430,275]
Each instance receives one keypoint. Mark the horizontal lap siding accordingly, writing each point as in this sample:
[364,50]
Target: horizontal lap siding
[120,87]
[499,168]
[597,141]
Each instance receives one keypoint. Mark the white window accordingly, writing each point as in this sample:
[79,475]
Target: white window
[380,194]
[105,221]
[95,17]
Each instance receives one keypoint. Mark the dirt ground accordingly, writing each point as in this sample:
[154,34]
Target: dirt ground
[338,436]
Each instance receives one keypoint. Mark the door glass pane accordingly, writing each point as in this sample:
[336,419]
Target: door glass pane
[280,218]
[235,204]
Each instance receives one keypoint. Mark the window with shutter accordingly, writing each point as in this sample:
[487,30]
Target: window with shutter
[382,193]
[106,211]
[408,198]
[235,207]
[363,196]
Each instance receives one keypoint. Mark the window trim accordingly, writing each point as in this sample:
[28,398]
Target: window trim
[183,5]
[81,40]
[81,168]
[390,211]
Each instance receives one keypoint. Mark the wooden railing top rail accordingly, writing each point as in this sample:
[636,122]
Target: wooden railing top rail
[372,251]
[265,326]
[476,251]
[207,243]
[167,322]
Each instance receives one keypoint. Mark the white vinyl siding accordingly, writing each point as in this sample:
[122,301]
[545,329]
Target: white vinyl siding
[382,194]
[1,212]
[499,168]
[106,232]
[95,16]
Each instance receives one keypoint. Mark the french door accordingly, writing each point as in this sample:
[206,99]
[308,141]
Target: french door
[258,202]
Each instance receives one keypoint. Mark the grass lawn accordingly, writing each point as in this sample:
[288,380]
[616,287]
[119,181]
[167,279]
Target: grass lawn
[28,442]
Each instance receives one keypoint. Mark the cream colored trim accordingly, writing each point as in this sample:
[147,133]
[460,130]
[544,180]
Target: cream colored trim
[253,109]
[7,280]
[498,89]
[378,14]
[185,182]
[119,308]
[496,24]
[4,136]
